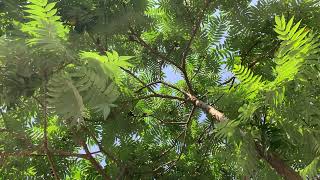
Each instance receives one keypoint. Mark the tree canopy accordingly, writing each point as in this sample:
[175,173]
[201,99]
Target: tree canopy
[159,89]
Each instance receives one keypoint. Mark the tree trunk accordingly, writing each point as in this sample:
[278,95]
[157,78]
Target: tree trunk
[272,159]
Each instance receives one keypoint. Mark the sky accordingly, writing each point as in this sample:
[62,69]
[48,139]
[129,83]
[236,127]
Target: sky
[254,2]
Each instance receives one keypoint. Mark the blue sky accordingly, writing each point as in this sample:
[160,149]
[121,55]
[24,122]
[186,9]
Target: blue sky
[254,2]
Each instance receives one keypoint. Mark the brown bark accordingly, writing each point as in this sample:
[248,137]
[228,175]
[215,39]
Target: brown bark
[217,115]
[95,164]
[272,159]
[278,164]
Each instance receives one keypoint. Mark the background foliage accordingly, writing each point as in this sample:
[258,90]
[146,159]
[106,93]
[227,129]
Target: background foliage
[85,91]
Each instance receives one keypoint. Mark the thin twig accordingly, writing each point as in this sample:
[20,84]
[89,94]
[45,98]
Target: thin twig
[172,146]
[161,82]
[92,160]
[100,48]
[173,163]
[197,70]
[103,150]
[45,127]
[203,133]
[140,41]
[137,78]
[35,153]
[185,53]
[155,94]
[161,96]
[227,81]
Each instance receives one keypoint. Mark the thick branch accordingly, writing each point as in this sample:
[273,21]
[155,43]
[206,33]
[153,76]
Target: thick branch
[278,164]
[218,116]
[273,160]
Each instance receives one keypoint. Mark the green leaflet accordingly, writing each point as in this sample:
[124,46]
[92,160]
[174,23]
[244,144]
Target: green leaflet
[227,129]
[44,26]
[97,89]
[250,84]
[39,2]
[311,170]
[84,87]
[110,63]
[62,91]
[246,155]
[247,110]
[296,47]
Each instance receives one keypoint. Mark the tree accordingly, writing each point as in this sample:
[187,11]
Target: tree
[73,108]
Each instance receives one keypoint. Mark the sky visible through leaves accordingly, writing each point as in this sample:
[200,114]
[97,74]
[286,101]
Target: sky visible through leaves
[173,76]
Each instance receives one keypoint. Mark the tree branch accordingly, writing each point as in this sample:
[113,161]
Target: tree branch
[168,149]
[272,159]
[277,163]
[138,79]
[173,163]
[227,81]
[92,160]
[45,127]
[195,29]
[140,41]
[160,96]
[103,150]
[185,53]
[155,94]
[35,153]
[164,83]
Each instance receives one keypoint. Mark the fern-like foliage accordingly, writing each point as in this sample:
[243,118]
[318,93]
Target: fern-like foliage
[246,156]
[250,83]
[92,86]
[215,28]
[62,91]
[109,63]
[227,129]
[310,171]
[86,85]
[247,110]
[297,46]
[45,27]
[98,91]
[244,150]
